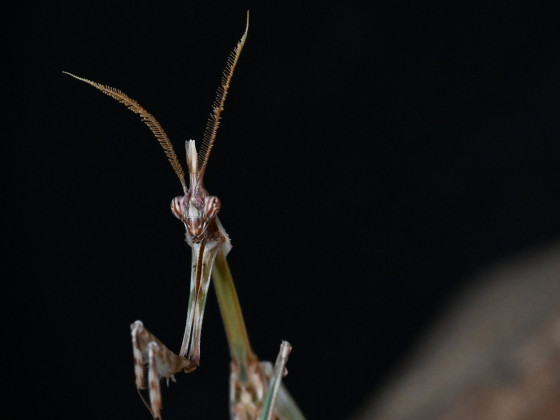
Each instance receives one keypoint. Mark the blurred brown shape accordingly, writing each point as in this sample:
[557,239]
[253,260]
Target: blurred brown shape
[494,356]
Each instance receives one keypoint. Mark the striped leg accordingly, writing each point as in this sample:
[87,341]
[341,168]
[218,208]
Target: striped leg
[161,362]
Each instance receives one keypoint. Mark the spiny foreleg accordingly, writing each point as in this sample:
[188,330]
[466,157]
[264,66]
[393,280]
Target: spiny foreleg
[161,362]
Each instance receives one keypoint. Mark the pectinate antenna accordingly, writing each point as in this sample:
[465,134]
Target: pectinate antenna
[148,119]
[218,106]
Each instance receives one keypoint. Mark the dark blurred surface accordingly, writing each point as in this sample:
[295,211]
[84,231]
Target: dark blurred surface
[494,355]
[371,157]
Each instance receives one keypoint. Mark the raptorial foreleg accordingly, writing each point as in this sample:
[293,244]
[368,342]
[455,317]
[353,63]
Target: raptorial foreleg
[161,362]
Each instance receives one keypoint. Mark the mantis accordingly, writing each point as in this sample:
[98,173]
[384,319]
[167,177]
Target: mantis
[256,389]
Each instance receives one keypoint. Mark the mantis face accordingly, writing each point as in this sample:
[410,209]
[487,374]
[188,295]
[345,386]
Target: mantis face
[197,212]
[196,209]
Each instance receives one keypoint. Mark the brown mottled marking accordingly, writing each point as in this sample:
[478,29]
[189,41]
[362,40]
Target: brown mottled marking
[153,379]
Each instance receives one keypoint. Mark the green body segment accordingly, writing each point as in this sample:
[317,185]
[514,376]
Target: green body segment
[239,346]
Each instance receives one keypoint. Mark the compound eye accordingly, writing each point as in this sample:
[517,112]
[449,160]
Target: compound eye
[211,207]
[177,207]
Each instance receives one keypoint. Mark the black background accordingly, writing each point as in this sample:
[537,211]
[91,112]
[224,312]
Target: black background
[372,156]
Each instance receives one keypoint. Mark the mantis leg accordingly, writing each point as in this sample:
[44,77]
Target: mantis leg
[269,401]
[160,361]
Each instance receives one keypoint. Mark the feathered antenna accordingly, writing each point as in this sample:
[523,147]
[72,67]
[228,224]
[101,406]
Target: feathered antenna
[148,119]
[218,106]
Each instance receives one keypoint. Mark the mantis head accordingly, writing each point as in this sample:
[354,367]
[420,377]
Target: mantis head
[196,212]
[196,209]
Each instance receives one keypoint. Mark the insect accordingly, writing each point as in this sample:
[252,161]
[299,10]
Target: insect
[256,391]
